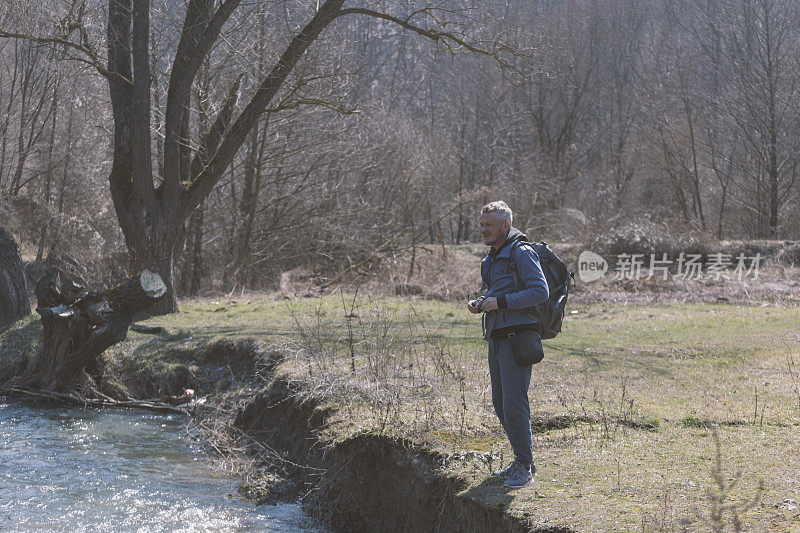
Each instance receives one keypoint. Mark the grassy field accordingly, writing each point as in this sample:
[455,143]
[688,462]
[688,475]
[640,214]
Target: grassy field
[646,416]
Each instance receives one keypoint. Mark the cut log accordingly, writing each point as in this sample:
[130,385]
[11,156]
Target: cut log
[79,326]
[136,294]
[13,296]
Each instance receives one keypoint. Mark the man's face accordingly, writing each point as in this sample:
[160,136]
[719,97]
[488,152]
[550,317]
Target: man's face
[493,229]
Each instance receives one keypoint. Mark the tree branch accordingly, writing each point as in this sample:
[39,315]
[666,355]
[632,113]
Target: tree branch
[199,34]
[120,86]
[217,130]
[142,167]
[92,58]
[205,181]
[435,35]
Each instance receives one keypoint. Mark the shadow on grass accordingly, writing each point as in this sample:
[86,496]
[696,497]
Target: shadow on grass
[492,493]
[160,333]
[543,424]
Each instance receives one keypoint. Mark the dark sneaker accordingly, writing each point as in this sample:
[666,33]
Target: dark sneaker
[504,472]
[520,476]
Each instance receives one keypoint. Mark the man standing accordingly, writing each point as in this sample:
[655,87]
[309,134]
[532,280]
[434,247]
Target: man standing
[508,311]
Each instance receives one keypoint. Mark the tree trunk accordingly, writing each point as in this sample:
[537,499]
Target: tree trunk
[248,205]
[48,177]
[13,297]
[157,257]
[79,326]
[196,225]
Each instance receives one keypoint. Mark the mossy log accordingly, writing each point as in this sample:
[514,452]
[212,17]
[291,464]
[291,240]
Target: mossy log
[80,325]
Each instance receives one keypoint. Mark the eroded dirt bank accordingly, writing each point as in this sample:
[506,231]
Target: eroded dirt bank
[367,482]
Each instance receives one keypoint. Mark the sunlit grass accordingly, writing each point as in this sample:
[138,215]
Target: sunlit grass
[622,403]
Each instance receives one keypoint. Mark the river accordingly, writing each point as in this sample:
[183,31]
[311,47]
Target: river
[72,469]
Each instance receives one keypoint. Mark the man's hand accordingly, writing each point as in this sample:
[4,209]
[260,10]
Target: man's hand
[472,305]
[489,304]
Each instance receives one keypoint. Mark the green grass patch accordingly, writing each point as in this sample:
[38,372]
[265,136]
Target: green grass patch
[620,403]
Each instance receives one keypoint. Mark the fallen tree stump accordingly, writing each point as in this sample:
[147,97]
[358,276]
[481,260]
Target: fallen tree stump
[79,326]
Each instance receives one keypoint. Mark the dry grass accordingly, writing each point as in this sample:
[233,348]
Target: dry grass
[622,403]
[625,405]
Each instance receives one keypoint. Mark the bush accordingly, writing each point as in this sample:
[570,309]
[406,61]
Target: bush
[790,255]
[646,236]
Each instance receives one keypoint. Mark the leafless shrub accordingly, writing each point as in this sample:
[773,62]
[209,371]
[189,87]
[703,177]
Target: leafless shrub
[790,255]
[388,366]
[648,236]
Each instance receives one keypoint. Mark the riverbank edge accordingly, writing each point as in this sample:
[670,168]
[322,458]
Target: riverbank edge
[368,482]
[365,482]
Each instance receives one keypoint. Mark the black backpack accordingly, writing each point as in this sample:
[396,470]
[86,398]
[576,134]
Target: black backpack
[551,311]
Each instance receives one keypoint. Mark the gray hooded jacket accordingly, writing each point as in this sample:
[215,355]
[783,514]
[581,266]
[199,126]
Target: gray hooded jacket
[515,307]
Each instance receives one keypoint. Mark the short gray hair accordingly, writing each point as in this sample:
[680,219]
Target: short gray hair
[501,208]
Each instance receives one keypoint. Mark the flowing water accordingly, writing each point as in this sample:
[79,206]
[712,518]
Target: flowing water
[71,469]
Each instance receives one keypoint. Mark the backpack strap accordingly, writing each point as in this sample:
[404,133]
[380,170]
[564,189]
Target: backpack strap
[512,264]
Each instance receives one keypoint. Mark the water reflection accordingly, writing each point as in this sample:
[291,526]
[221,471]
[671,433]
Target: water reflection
[69,469]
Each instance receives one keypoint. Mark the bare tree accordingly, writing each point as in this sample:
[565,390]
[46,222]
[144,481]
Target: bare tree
[31,99]
[152,215]
[752,50]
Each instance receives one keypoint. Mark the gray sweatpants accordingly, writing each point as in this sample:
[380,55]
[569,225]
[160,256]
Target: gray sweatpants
[510,398]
